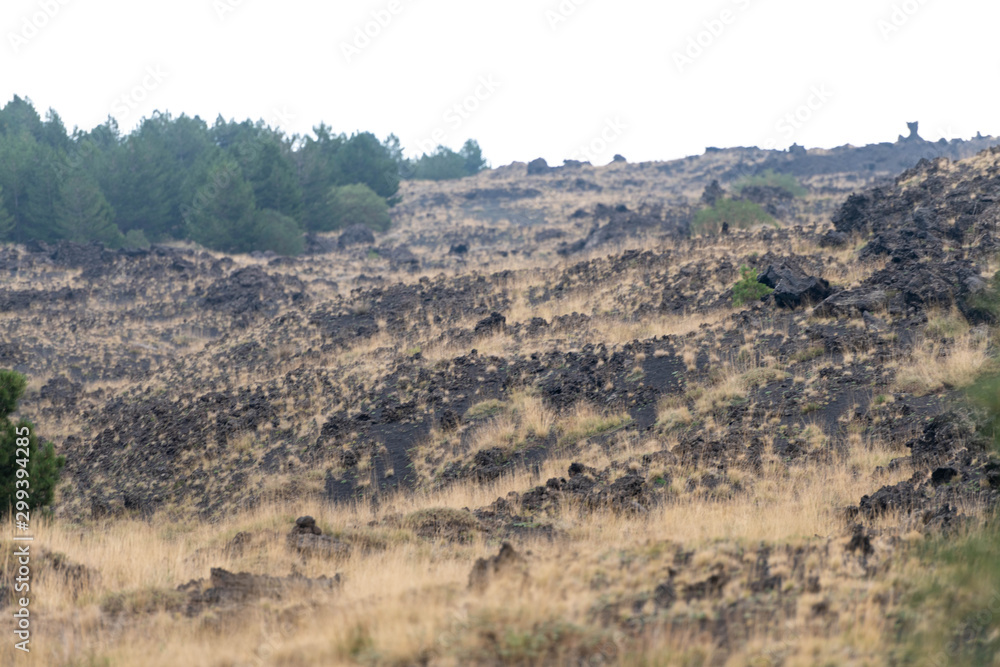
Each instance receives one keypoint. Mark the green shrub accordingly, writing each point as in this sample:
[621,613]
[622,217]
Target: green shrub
[772,179]
[739,214]
[38,485]
[277,232]
[748,288]
[358,205]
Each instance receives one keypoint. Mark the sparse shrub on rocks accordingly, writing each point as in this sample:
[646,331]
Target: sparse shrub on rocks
[749,288]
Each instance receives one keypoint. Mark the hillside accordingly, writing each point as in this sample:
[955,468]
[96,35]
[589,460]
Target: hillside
[546,359]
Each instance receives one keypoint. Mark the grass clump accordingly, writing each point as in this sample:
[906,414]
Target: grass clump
[933,366]
[485,409]
[143,601]
[585,422]
[808,354]
[946,325]
[749,288]
[738,213]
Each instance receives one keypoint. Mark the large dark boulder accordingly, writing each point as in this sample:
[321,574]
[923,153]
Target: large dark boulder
[793,287]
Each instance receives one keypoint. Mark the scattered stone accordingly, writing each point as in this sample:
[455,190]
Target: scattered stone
[793,287]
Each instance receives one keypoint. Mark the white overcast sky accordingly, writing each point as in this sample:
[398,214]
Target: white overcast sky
[609,68]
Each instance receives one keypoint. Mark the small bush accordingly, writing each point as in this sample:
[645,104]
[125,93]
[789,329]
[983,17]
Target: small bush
[278,233]
[484,409]
[749,288]
[739,214]
[43,466]
[358,205]
[772,179]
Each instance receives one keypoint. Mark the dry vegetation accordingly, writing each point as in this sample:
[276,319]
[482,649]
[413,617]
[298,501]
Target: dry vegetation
[684,481]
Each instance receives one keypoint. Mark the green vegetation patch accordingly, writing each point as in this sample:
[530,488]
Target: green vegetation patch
[748,288]
[772,179]
[737,213]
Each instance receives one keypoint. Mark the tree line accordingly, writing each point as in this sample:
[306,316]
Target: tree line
[230,186]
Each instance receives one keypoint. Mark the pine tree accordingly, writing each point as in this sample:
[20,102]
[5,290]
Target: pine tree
[82,212]
[473,154]
[222,215]
[6,219]
[363,159]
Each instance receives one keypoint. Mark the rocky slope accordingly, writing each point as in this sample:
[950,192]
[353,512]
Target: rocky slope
[511,323]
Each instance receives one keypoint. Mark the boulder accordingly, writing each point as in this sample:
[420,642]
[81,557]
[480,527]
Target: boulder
[852,303]
[793,287]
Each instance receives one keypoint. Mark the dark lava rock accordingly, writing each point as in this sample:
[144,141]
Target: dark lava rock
[538,166]
[942,437]
[860,542]
[793,287]
[308,540]
[619,158]
[943,476]
[495,323]
[548,234]
[505,564]
[833,239]
[252,290]
[230,589]
[902,497]
[449,420]
[490,463]
[713,193]
[356,235]
[853,303]
[458,249]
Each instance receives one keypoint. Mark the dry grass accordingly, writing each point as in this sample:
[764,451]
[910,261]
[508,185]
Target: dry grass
[933,366]
[408,597]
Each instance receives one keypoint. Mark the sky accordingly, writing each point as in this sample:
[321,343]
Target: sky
[578,79]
